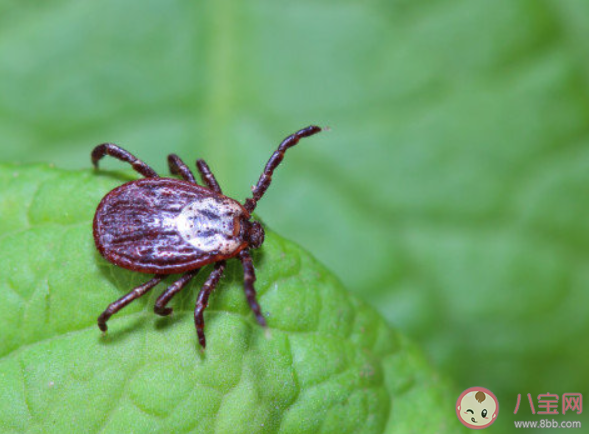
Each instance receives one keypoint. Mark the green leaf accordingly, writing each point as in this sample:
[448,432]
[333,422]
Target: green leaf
[326,363]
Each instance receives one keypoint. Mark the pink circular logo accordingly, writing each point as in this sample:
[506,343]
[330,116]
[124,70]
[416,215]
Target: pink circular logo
[477,408]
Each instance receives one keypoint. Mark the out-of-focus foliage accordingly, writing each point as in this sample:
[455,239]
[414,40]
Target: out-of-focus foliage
[452,192]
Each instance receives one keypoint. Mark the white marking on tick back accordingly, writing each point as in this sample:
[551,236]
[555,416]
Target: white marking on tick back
[207,224]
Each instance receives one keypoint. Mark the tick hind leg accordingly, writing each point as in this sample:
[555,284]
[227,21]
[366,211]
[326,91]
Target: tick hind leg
[119,153]
[178,167]
[249,277]
[207,176]
[137,292]
[203,300]
[160,304]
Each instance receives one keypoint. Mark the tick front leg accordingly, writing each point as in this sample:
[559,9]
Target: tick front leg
[177,167]
[276,158]
[203,300]
[114,307]
[120,154]
[160,304]
[249,277]
[207,176]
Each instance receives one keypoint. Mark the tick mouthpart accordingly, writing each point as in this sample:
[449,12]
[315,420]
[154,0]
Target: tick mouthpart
[254,234]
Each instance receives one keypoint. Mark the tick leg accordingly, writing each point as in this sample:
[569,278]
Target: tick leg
[249,277]
[203,300]
[160,304]
[274,161]
[207,176]
[114,307]
[177,167]
[120,154]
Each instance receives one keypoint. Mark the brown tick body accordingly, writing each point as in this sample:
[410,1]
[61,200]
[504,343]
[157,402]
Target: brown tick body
[165,226]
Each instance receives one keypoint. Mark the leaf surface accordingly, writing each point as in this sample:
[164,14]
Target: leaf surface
[326,363]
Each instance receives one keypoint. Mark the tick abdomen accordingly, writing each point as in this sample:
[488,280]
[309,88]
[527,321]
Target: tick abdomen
[163,225]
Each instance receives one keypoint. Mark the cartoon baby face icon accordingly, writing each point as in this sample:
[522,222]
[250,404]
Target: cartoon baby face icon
[477,408]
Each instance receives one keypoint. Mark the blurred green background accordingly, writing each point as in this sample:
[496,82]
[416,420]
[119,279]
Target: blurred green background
[451,193]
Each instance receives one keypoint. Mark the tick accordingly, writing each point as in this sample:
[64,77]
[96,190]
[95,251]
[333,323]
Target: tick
[167,226]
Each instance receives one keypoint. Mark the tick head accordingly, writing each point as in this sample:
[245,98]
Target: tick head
[254,234]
